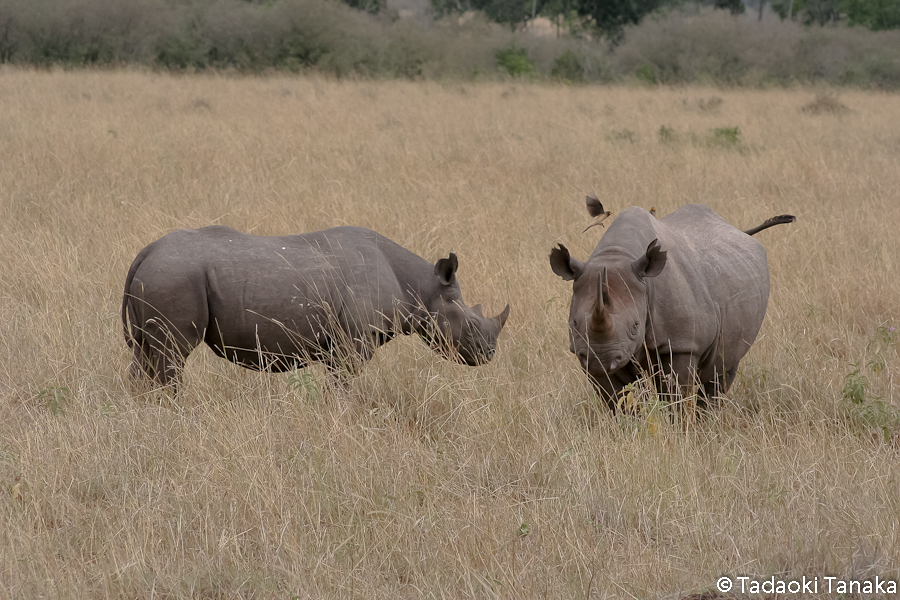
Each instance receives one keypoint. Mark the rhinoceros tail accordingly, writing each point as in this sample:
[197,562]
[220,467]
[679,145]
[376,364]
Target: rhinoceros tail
[128,315]
[779,220]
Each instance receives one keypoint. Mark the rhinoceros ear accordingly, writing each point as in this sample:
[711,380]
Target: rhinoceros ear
[652,263]
[564,265]
[445,269]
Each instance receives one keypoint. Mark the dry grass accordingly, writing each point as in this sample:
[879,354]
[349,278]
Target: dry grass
[825,103]
[429,479]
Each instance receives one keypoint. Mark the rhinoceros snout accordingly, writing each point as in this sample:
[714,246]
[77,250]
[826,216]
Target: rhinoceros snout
[482,356]
[618,361]
[583,359]
[607,364]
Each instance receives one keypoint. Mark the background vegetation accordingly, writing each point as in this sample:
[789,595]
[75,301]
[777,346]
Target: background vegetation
[426,478]
[689,44]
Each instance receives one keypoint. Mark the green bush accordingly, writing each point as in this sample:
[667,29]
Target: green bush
[567,67]
[872,413]
[713,46]
[408,52]
[182,51]
[515,61]
[646,73]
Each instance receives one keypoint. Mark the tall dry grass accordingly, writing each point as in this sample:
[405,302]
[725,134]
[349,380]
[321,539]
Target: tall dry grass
[426,478]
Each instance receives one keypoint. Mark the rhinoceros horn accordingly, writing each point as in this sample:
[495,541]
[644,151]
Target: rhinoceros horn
[600,319]
[500,319]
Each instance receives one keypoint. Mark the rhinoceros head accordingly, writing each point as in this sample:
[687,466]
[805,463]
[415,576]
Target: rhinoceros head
[457,330]
[608,315]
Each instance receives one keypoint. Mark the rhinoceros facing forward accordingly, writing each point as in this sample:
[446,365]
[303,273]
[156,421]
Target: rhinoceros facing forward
[684,295]
[276,303]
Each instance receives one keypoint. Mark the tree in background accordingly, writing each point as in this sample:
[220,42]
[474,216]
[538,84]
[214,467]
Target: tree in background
[611,16]
[872,14]
[809,11]
[563,13]
[735,6]
[370,6]
[608,17]
[509,12]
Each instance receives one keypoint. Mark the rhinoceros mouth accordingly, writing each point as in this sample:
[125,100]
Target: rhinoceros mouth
[621,376]
[454,352]
[463,357]
[474,359]
[602,363]
[475,345]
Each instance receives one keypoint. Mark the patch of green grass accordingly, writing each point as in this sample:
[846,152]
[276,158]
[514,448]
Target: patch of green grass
[622,135]
[724,137]
[55,397]
[305,384]
[667,135]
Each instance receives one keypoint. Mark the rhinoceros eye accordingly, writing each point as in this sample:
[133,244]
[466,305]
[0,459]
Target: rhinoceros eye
[634,328]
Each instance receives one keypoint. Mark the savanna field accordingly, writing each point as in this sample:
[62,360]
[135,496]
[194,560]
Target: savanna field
[424,478]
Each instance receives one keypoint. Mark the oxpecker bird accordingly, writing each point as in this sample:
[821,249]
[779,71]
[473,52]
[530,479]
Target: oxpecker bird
[595,209]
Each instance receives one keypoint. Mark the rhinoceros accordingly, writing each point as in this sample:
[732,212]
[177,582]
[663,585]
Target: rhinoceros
[682,296]
[277,303]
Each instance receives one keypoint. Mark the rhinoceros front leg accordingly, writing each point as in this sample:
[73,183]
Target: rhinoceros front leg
[345,357]
[609,388]
[678,378]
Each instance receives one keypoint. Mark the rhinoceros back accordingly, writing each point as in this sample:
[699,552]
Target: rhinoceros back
[717,279]
[260,301]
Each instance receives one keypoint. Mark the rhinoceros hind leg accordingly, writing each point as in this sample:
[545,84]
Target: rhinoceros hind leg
[160,354]
[730,375]
[718,386]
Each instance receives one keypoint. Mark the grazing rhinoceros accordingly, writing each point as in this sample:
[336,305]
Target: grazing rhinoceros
[684,295]
[277,303]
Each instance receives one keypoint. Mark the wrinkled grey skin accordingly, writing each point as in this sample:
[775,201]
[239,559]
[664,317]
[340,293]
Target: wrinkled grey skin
[684,295]
[276,303]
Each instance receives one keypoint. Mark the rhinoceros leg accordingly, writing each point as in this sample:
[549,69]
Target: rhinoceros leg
[346,356]
[718,384]
[678,375]
[161,351]
[730,374]
[708,384]
[609,388]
